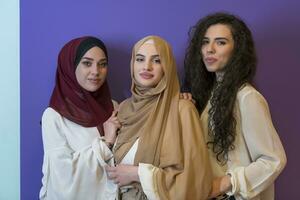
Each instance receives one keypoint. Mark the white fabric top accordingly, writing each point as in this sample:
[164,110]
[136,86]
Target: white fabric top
[258,157]
[145,172]
[74,160]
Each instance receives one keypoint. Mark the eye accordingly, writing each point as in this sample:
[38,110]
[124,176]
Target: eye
[103,64]
[204,42]
[157,61]
[138,59]
[221,42]
[87,63]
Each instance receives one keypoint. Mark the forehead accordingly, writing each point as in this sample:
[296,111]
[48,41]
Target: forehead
[147,48]
[95,51]
[218,30]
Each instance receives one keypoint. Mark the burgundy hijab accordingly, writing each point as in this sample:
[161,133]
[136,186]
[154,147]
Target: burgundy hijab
[85,108]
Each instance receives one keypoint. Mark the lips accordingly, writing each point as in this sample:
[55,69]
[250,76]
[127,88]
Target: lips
[94,80]
[210,60]
[146,75]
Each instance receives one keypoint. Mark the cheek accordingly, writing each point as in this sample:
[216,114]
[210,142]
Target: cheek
[104,72]
[202,51]
[135,70]
[78,74]
[161,72]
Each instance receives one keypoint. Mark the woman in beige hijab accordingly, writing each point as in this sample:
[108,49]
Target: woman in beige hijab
[160,151]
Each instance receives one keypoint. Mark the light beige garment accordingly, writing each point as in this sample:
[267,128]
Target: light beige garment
[258,157]
[176,147]
[74,160]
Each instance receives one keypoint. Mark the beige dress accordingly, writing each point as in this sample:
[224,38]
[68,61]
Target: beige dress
[258,157]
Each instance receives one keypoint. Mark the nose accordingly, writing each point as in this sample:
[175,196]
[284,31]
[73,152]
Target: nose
[95,70]
[210,48]
[147,66]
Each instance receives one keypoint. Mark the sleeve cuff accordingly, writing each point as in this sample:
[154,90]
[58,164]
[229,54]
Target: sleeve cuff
[146,174]
[102,152]
[233,181]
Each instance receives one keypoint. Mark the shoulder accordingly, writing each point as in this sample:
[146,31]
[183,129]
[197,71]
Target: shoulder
[50,115]
[249,98]
[186,106]
[125,102]
[249,93]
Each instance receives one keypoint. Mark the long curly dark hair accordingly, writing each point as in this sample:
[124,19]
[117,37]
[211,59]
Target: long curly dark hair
[239,70]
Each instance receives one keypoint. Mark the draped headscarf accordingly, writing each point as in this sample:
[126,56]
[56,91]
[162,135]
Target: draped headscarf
[152,116]
[85,108]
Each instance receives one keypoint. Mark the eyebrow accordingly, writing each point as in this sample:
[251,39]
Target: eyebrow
[153,56]
[218,38]
[140,55]
[91,59]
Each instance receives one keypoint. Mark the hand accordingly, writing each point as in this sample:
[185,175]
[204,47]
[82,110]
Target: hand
[187,96]
[110,128]
[123,174]
[220,186]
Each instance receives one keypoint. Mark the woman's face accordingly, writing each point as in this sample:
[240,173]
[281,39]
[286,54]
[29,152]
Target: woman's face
[147,67]
[217,47]
[92,69]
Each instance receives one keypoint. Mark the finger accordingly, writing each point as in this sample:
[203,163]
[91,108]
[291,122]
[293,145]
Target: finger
[114,113]
[117,124]
[193,101]
[111,176]
[189,95]
[110,169]
[114,118]
[181,96]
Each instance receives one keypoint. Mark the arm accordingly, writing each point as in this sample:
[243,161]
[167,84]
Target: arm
[65,169]
[264,147]
[110,129]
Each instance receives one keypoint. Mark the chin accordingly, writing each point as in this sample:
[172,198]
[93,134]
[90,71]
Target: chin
[212,69]
[92,89]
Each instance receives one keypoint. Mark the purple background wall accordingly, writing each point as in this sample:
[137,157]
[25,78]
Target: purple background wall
[47,25]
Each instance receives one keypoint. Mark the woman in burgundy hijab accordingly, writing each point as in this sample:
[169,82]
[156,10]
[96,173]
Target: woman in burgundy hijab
[79,125]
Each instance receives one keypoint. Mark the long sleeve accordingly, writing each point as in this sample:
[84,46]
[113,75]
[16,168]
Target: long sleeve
[71,173]
[263,144]
[146,174]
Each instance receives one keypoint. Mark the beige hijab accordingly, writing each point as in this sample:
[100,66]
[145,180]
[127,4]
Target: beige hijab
[152,115]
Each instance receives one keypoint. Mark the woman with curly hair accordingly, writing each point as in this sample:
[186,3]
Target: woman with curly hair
[246,153]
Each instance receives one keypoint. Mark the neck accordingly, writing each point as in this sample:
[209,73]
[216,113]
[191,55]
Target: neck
[219,76]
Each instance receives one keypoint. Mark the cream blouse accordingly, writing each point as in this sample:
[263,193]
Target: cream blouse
[258,157]
[74,160]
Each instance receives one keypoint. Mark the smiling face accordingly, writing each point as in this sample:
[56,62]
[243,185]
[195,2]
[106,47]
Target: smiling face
[217,47]
[92,69]
[147,67]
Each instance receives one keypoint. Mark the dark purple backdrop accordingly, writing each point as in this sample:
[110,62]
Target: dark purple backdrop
[47,25]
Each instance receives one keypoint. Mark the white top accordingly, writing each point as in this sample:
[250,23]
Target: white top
[74,160]
[146,174]
[258,157]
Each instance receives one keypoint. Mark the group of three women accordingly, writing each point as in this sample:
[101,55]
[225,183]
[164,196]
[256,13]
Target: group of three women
[154,145]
